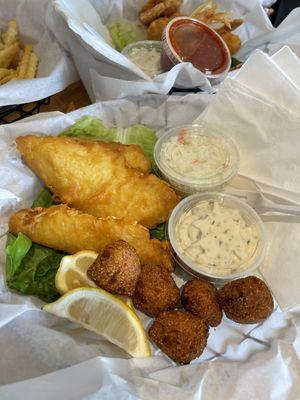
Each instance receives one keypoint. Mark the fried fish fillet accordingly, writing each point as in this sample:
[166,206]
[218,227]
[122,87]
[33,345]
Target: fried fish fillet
[133,154]
[93,178]
[70,230]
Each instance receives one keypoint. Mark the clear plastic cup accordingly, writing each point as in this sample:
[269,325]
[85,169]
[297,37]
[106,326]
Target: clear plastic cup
[170,57]
[149,67]
[185,185]
[247,213]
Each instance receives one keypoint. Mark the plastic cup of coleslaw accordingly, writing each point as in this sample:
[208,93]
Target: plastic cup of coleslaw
[193,159]
[146,54]
[243,243]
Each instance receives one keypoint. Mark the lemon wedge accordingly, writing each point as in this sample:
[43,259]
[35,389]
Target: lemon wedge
[106,315]
[72,272]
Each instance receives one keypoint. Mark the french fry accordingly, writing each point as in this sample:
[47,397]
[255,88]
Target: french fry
[17,61]
[24,62]
[8,54]
[11,36]
[32,66]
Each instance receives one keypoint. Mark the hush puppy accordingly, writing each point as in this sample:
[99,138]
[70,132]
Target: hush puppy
[155,291]
[179,334]
[247,300]
[116,269]
[201,299]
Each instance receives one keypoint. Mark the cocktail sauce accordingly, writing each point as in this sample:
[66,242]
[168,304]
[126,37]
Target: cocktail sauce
[189,40]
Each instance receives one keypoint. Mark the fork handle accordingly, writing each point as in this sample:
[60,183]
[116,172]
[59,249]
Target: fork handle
[292,210]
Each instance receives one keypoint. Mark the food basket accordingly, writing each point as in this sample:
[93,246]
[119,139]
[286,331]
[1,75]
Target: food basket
[108,75]
[43,344]
[14,113]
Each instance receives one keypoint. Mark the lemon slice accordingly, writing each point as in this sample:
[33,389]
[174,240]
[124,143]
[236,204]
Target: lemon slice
[72,272]
[106,315]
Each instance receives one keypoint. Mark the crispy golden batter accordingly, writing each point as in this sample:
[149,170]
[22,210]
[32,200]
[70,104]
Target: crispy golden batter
[172,6]
[153,13]
[117,269]
[150,4]
[154,9]
[246,300]
[95,179]
[155,291]
[233,42]
[156,28]
[200,298]
[233,25]
[133,154]
[69,230]
[181,335]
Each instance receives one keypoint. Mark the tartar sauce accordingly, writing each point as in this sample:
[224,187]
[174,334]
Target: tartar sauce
[148,59]
[194,156]
[216,238]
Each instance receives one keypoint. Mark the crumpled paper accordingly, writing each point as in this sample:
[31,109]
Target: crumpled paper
[108,75]
[49,357]
[262,116]
[55,71]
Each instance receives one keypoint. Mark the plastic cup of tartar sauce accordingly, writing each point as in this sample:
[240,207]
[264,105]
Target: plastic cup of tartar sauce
[216,236]
[193,159]
[146,54]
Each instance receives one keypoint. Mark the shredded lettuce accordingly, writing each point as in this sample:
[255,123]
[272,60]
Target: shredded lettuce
[124,32]
[31,268]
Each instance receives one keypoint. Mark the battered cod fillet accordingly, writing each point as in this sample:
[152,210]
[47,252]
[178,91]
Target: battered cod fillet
[70,230]
[133,154]
[93,178]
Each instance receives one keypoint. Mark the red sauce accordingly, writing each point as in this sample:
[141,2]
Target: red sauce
[198,44]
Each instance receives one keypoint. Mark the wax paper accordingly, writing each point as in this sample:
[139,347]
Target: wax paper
[55,71]
[46,357]
[262,116]
[80,27]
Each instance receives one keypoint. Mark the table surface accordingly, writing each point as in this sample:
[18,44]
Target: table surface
[73,97]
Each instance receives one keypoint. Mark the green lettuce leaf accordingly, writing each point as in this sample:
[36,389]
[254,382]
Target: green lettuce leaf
[94,128]
[159,232]
[235,62]
[44,199]
[91,128]
[31,269]
[16,250]
[143,136]
[124,32]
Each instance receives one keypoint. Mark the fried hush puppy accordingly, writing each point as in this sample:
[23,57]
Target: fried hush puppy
[200,298]
[247,300]
[155,291]
[181,335]
[117,269]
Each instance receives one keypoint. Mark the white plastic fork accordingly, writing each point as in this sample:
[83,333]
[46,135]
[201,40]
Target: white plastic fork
[262,204]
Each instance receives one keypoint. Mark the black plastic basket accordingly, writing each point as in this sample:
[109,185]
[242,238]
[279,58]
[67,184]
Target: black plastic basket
[16,112]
